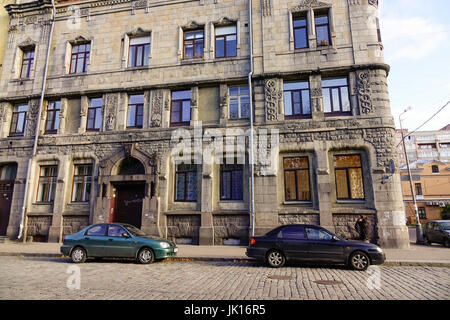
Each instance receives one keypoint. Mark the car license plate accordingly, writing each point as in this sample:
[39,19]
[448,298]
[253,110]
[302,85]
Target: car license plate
[175,250]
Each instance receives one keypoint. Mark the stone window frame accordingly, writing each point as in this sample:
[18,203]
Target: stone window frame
[86,57]
[55,182]
[56,117]
[25,46]
[143,45]
[69,50]
[349,90]
[302,115]
[310,11]
[95,116]
[136,115]
[365,170]
[194,42]
[312,179]
[175,183]
[75,165]
[301,16]
[191,26]
[135,33]
[224,22]
[25,120]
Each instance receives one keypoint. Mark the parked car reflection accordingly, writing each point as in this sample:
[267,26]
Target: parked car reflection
[309,243]
[116,240]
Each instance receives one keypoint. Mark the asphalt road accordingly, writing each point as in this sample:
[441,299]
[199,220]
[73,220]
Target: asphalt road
[54,278]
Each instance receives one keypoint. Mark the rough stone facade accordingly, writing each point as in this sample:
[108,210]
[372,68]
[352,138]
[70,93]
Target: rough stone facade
[354,53]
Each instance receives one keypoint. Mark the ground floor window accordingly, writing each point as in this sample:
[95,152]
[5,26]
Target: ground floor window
[349,177]
[231,182]
[47,183]
[422,213]
[296,179]
[82,180]
[186,182]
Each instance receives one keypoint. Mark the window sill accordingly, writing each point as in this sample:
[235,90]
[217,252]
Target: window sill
[351,201]
[193,61]
[287,203]
[180,124]
[42,203]
[78,203]
[22,79]
[231,201]
[137,68]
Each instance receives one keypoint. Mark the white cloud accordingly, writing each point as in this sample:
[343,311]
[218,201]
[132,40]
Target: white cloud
[411,38]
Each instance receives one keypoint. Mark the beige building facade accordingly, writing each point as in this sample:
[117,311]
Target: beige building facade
[124,77]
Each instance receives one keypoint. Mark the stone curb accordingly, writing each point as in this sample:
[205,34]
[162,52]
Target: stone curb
[391,263]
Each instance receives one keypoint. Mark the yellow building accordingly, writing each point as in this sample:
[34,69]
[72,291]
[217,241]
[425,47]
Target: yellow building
[431,183]
[4,23]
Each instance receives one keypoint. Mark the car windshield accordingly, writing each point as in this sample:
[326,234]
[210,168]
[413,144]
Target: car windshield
[134,231]
[445,225]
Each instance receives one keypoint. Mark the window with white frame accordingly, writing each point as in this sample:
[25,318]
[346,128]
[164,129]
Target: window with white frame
[239,102]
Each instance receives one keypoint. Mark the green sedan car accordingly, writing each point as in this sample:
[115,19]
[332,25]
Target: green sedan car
[118,240]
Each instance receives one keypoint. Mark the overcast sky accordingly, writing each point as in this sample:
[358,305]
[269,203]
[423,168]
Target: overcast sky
[416,38]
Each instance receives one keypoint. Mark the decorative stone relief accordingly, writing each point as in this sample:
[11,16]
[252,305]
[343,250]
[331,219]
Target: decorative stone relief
[224,106]
[308,4]
[364,91]
[32,115]
[273,98]
[156,108]
[266,7]
[110,112]
[374,2]
[316,95]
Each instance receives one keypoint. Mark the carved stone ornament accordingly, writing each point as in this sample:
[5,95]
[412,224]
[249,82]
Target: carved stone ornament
[224,105]
[273,97]
[224,22]
[140,4]
[157,105]
[192,26]
[308,4]
[364,92]
[111,107]
[266,7]
[373,2]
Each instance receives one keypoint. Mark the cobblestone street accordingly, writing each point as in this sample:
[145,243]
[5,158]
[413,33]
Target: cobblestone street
[46,278]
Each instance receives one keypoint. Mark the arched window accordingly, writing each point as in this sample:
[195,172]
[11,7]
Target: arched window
[129,166]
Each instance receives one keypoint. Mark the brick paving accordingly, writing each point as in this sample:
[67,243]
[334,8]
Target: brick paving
[46,278]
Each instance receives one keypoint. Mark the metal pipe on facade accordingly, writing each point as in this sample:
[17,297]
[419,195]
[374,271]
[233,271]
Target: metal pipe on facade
[36,133]
[250,88]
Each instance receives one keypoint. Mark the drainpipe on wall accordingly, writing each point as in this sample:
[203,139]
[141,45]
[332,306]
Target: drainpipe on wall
[36,133]
[250,88]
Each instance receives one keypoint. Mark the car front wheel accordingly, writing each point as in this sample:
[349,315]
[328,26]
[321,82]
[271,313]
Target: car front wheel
[145,256]
[275,259]
[78,255]
[359,261]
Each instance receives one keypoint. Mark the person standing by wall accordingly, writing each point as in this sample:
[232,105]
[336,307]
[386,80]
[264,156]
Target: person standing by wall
[362,228]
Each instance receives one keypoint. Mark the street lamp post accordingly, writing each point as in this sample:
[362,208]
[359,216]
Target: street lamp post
[419,233]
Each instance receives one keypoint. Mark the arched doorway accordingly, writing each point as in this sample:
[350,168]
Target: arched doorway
[128,189]
[7,177]
[128,196]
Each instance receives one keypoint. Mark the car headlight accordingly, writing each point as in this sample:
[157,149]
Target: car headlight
[379,249]
[164,245]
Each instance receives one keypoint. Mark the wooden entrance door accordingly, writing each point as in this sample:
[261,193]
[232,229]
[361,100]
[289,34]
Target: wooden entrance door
[6,193]
[129,204]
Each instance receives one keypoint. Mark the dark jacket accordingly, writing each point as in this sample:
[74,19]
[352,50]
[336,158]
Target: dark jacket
[362,228]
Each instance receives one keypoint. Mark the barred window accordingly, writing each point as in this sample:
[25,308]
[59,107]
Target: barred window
[186,183]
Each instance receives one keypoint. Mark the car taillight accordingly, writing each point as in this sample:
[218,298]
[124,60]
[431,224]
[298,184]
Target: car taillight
[252,241]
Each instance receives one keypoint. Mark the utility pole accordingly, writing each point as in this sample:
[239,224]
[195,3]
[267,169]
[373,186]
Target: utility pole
[419,233]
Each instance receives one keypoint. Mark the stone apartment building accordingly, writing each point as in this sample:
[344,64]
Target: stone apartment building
[124,75]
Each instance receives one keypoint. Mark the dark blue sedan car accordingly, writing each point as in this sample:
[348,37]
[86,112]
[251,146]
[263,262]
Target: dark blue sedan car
[310,243]
[116,240]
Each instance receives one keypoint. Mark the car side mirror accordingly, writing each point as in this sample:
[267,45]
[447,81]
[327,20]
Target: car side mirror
[126,235]
[334,239]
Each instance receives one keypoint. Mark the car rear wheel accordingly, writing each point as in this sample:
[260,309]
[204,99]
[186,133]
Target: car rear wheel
[359,261]
[78,255]
[145,256]
[275,259]
[447,243]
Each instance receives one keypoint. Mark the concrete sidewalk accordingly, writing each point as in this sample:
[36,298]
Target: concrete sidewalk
[417,255]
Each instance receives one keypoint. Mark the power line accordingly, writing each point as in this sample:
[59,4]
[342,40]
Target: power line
[442,108]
